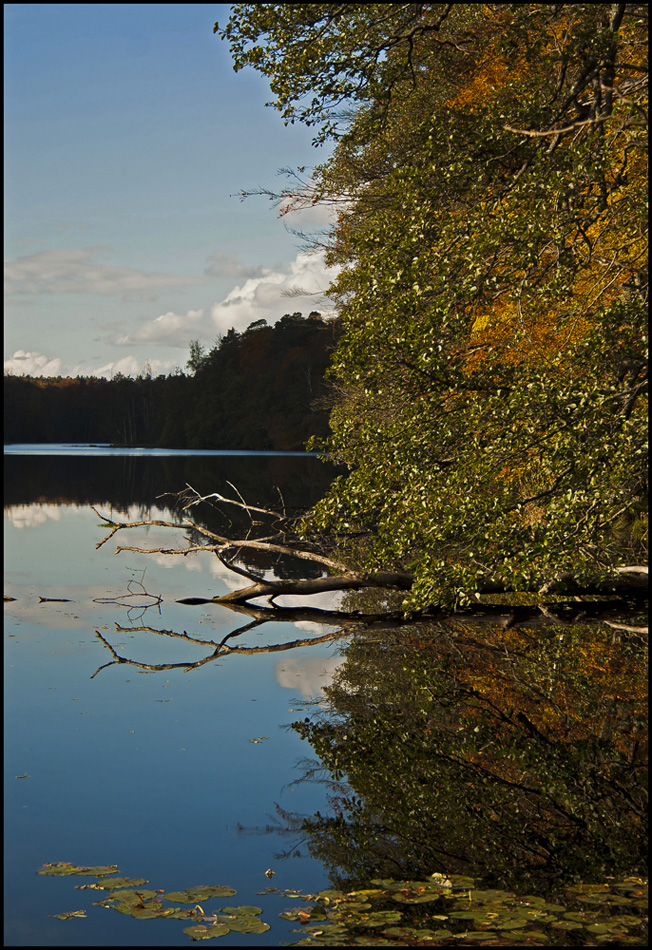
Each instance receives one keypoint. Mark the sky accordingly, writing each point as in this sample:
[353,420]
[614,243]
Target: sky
[129,140]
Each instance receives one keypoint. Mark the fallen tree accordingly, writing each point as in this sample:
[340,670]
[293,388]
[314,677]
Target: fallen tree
[278,534]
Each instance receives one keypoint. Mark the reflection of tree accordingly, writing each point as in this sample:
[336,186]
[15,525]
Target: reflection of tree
[123,481]
[519,757]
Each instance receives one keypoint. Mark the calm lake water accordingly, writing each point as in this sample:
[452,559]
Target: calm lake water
[510,753]
[154,771]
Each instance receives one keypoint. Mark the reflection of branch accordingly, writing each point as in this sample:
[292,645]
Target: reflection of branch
[155,667]
[624,626]
[117,525]
[303,614]
[220,649]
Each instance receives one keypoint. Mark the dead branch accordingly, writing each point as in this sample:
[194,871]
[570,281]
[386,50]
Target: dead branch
[624,626]
[625,580]
[318,585]
[196,499]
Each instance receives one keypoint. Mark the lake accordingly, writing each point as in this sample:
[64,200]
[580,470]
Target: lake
[153,771]
[510,758]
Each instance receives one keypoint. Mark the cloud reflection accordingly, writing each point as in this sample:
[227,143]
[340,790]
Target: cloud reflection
[307,677]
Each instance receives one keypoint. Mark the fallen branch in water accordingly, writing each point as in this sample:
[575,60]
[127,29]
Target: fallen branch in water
[285,541]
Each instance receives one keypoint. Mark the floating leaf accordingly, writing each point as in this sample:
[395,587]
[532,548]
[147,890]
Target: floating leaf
[195,894]
[207,933]
[64,867]
[67,915]
[110,882]
[245,924]
[494,895]
[242,909]
[626,920]
[130,894]
[613,899]
[415,898]
[588,888]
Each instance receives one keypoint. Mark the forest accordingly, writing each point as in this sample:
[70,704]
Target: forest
[260,389]
[489,178]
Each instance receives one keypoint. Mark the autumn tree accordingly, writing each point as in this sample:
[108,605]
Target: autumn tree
[492,240]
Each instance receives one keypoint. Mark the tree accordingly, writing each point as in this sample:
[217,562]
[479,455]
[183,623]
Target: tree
[492,371]
[197,357]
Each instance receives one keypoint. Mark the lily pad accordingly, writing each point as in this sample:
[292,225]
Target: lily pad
[588,888]
[129,894]
[494,895]
[207,933]
[68,914]
[245,924]
[242,909]
[64,867]
[415,898]
[626,920]
[194,895]
[606,898]
[109,883]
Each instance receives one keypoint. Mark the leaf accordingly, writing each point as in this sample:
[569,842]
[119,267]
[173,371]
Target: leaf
[69,914]
[195,894]
[206,933]
[64,867]
[245,924]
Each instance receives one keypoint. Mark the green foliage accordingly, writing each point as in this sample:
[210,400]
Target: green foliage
[319,57]
[492,370]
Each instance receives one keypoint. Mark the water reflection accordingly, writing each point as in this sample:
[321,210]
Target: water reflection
[125,751]
[515,754]
[309,676]
[131,480]
[518,756]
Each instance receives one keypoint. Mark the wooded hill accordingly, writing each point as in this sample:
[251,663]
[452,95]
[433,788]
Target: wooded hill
[259,389]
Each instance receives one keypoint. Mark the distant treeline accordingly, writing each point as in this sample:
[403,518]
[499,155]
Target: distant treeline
[259,389]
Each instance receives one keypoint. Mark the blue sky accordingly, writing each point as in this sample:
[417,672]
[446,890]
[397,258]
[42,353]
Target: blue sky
[128,138]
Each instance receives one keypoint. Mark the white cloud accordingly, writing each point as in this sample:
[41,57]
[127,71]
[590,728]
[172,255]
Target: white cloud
[227,265]
[267,296]
[309,217]
[73,271]
[36,364]
[32,364]
[170,329]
